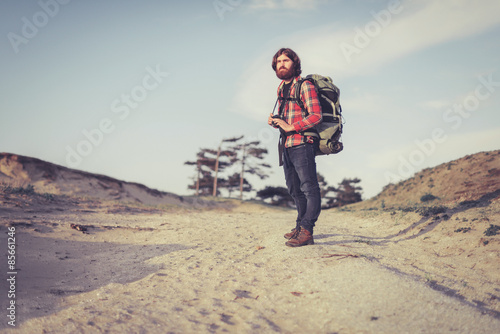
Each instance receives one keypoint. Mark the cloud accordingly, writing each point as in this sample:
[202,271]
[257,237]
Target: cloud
[284,4]
[364,103]
[264,4]
[418,25]
[410,28]
[435,105]
[256,90]
[403,161]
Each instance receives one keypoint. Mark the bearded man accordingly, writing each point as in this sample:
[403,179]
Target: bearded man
[297,151]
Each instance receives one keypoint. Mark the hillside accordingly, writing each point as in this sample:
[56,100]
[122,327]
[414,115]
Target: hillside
[469,178]
[46,177]
[465,179]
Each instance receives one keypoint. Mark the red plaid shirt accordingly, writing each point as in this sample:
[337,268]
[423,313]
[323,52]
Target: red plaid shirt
[292,113]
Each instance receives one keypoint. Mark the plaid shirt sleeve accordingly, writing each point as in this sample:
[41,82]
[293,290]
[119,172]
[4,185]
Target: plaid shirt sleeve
[293,114]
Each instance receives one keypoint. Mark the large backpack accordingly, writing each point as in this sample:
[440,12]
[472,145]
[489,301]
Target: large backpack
[329,131]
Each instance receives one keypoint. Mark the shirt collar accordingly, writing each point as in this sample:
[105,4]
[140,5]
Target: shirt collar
[294,81]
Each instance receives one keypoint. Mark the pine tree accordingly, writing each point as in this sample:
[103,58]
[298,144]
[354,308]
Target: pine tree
[346,193]
[278,196]
[212,163]
[209,162]
[230,159]
[251,153]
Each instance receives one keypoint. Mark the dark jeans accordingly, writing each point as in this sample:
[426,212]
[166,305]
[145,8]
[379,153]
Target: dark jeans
[302,181]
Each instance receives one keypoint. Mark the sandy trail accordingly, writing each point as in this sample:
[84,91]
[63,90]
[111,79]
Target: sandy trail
[229,271]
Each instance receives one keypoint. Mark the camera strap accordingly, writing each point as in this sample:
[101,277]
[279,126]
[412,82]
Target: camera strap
[285,91]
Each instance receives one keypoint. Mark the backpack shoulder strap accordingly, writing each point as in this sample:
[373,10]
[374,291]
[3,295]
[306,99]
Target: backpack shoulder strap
[297,98]
[284,99]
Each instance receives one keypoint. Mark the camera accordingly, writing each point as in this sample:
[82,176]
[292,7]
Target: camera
[276,116]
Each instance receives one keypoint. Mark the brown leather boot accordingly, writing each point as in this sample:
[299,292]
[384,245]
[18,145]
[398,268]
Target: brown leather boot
[293,234]
[304,238]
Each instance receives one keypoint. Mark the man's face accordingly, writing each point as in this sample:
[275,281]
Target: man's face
[284,67]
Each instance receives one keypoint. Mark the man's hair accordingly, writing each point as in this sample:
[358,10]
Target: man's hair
[293,56]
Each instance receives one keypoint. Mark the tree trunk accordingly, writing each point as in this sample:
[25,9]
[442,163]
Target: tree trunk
[216,171]
[242,171]
[198,180]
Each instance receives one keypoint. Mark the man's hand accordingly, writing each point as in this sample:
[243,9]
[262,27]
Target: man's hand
[279,123]
[283,125]
[270,120]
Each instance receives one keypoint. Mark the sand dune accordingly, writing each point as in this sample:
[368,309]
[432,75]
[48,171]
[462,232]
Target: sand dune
[50,178]
[413,268]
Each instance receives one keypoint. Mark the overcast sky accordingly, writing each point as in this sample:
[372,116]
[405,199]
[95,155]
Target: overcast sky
[133,89]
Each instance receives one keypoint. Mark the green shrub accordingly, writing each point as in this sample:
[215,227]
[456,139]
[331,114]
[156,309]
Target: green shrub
[428,197]
[29,190]
[432,210]
[492,230]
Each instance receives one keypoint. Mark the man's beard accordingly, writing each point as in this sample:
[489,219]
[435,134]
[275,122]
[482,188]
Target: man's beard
[285,74]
